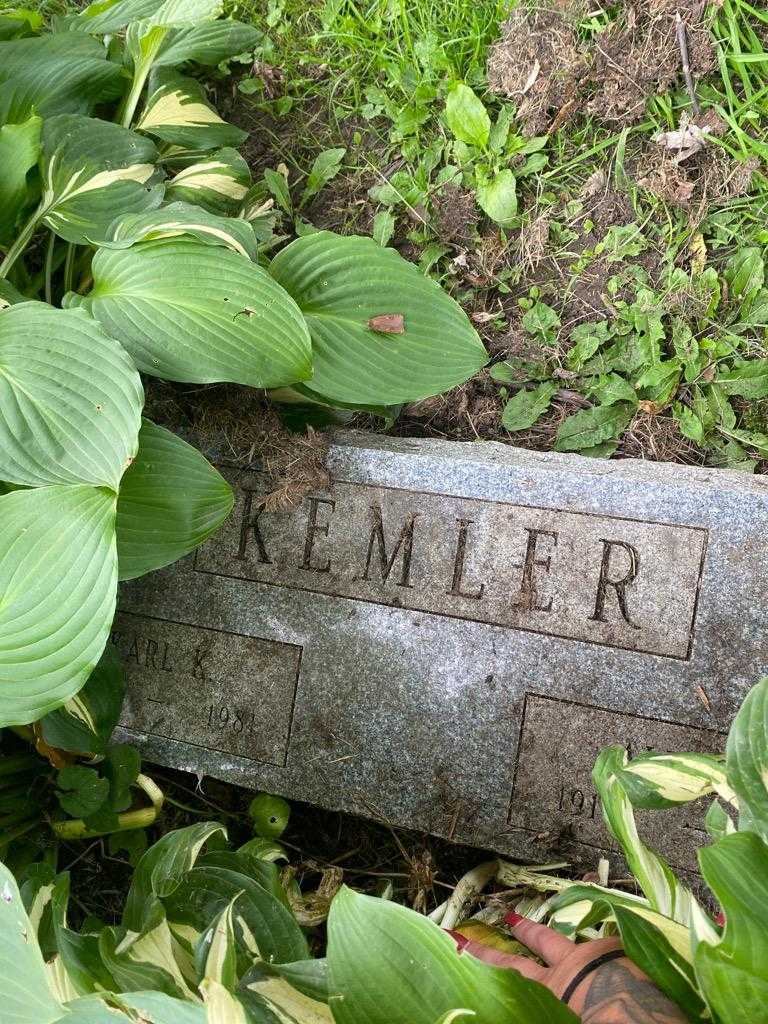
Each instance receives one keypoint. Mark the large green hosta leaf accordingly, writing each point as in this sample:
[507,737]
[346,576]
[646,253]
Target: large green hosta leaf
[55,74]
[107,16]
[182,219]
[340,284]
[389,965]
[94,170]
[747,759]
[219,183]
[58,580]
[19,150]
[733,973]
[208,43]
[178,112]
[192,312]
[171,499]
[70,399]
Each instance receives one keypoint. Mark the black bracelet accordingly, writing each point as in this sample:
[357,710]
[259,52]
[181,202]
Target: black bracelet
[585,971]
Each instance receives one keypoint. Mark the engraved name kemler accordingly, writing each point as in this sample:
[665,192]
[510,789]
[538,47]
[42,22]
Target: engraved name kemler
[607,580]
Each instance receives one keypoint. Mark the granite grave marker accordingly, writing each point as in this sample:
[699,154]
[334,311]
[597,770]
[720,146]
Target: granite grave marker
[447,636]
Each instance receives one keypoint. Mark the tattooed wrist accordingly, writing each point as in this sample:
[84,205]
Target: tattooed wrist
[618,993]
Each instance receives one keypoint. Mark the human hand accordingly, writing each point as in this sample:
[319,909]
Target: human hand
[594,978]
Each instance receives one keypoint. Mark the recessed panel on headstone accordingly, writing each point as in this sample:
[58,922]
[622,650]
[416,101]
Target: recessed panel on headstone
[447,636]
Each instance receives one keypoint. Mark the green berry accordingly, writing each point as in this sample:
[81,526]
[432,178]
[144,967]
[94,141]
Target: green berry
[269,814]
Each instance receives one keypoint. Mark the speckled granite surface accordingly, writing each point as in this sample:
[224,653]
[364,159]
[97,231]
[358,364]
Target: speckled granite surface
[446,638]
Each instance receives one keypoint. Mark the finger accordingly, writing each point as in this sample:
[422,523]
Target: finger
[550,945]
[527,967]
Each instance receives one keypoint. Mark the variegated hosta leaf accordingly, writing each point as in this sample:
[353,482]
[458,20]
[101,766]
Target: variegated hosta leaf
[171,500]
[163,867]
[94,170]
[654,876]
[191,312]
[146,960]
[177,111]
[670,971]
[216,950]
[207,44]
[19,150]
[70,399]
[265,993]
[220,1005]
[58,581]
[665,780]
[747,759]
[145,39]
[53,74]
[24,993]
[589,905]
[341,284]
[219,183]
[86,722]
[177,219]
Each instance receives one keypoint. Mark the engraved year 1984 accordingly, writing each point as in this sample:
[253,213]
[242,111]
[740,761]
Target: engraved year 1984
[229,718]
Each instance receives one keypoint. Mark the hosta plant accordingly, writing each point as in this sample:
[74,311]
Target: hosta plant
[64,778]
[134,243]
[207,933]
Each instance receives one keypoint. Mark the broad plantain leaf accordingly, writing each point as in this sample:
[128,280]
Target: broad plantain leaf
[340,284]
[191,312]
[591,427]
[19,151]
[94,170]
[170,501]
[747,757]
[85,723]
[219,183]
[524,408]
[377,948]
[178,112]
[182,219]
[24,993]
[466,116]
[58,581]
[70,399]
[748,379]
[325,167]
[497,196]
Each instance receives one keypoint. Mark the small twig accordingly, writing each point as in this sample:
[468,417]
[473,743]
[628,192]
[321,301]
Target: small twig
[682,42]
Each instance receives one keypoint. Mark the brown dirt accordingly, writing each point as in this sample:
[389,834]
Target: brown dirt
[546,64]
[241,425]
[538,63]
[455,215]
[706,180]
